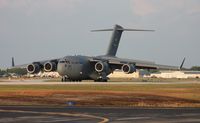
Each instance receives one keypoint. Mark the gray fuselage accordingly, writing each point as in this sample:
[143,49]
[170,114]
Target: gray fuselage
[77,68]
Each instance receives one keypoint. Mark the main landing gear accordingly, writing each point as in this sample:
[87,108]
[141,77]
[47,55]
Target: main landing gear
[101,80]
[102,77]
[66,79]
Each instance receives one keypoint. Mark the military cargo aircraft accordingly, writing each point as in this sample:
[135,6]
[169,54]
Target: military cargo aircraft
[78,68]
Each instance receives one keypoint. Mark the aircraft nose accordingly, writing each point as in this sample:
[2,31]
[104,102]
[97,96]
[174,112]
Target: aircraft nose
[61,68]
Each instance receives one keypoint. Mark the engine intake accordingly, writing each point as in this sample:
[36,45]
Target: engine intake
[101,67]
[33,68]
[50,66]
[128,68]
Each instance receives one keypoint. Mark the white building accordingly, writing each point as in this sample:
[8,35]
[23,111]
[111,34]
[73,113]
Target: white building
[176,74]
[121,74]
[44,74]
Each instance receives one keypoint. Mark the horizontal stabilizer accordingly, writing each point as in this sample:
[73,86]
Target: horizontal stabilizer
[136,30]
[119,28]
[102,30]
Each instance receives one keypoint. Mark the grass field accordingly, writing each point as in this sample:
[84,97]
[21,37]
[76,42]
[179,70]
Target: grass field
[138,95]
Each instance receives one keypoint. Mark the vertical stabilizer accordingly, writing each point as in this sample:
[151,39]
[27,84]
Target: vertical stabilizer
[114,41]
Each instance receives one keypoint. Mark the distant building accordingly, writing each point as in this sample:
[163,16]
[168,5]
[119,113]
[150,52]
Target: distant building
[49,74]
[44,74]
[176,74]
[121,74]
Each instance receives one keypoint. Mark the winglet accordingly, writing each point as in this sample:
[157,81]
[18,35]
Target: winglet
[13,62]
[182,64]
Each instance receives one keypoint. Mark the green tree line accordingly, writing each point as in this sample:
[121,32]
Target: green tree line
[19,71]
[195,68]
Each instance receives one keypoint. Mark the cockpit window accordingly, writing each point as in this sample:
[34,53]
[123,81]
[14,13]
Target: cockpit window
[62,61]
[66,61]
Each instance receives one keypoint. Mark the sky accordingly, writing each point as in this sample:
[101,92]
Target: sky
[34,30]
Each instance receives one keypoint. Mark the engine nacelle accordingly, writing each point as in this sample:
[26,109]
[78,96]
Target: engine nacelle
[50,66]
[101,67]
[33,68]
[128,68]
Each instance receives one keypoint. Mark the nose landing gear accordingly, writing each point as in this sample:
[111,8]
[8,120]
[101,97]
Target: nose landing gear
[64,79]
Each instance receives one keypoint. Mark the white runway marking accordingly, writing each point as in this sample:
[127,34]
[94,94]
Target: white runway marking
[133,118]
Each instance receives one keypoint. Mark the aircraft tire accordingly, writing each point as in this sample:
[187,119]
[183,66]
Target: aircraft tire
[101,80]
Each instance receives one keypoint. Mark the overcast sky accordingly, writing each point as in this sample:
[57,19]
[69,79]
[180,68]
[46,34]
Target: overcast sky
[32,30]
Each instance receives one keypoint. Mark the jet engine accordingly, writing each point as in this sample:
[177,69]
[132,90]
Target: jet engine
[101,67]
[128,68]
[50,66]
[33,68]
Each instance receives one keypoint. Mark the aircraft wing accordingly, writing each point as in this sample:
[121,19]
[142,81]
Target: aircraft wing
[20,66]
[117,63]
[41,63]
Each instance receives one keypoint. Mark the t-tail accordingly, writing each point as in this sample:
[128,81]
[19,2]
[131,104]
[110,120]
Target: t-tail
[115,39]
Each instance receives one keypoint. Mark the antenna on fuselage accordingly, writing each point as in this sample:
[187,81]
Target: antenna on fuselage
[115,39]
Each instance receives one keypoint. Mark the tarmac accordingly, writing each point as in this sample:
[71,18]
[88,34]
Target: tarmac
[20,114]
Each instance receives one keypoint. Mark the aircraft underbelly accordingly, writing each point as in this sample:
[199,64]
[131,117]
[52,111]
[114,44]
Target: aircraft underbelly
[74,71]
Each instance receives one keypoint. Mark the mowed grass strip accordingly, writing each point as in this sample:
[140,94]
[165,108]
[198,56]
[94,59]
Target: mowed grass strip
[171,95]
[191,91]
[104,87]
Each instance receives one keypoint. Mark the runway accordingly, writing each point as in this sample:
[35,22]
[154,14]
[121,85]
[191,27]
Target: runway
[19,114]
[43,82]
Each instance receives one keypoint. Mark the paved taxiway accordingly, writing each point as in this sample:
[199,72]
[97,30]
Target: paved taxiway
[18,114]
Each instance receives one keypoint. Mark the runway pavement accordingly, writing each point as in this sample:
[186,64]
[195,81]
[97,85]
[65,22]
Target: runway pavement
[18,114]
[43,82]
